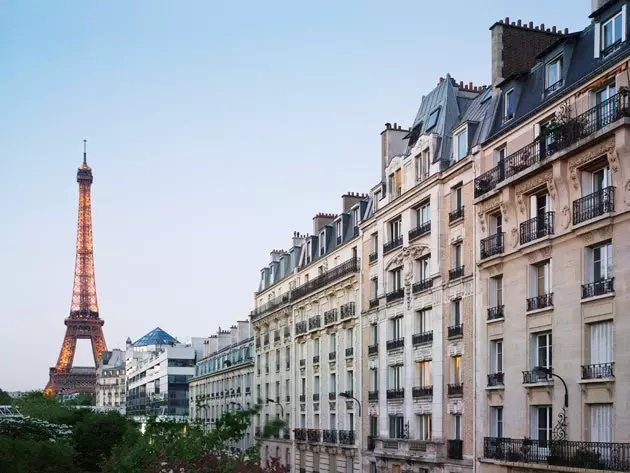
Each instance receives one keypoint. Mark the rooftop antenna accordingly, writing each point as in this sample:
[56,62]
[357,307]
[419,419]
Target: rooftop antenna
[84,151]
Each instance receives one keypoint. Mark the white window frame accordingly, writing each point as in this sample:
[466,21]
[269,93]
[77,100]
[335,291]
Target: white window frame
[423,213]
[461,149]
[424,373]
[395,377]
[456,312]
[396,329]
[495,291]
[350,338]
[456,427]
[332,342]
[496,356]
[506,96]
[538,271]
[355,216]
[601,423]
[425,427]
[373,379]
[396,279]
[373,334]
[611,22]
[538,349]
[538,412]
[374,288]
[424,323]
[424,268]
[496,421]
[557,62]
[601,346]
[456,198]
[456,369]
[395,229]
[339,228]
[601,255]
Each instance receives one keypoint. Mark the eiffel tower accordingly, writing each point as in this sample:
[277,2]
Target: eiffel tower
[83,321]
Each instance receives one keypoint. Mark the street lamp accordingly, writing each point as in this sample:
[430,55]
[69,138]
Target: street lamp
[274,401]
[560,430]
[346,395]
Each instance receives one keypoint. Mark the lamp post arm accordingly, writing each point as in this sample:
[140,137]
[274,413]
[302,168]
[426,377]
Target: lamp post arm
[358,404]
[566,390]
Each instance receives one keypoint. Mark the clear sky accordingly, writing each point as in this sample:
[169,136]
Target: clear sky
[215,129]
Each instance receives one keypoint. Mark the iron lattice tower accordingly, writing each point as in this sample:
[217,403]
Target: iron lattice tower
[84,321]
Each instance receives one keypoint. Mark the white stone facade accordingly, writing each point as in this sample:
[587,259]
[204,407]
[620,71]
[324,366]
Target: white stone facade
[110,381]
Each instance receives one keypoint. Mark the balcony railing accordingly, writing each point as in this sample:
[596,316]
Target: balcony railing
[373,349]
[301,327]
[540,302]
[350,351]
[395,344]
[315,359]
[456,214]
[495,379]
[270,305]
[330,436]
[348,267]
[314,322]
[396,393]
[455,449]
[299,435]
[332,396]
[564,136]
[393,244]
[346,437]
[395,295]
[598,371]
[316,397]
[373,257]
[495,313]
[455,273]
[374,303]
[314,435]
[373,396]
[330,316]
[455,331]
[455,389]
[303,362]
[568,453]
[422,391]
[538,227]
[492,245]
[422,285]
[421,338]
[332,355]
[533,377]
[594,205]
[598,288]
[347,310]
[421,229]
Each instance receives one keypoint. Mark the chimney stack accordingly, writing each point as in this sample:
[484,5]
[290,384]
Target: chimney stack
[321,220]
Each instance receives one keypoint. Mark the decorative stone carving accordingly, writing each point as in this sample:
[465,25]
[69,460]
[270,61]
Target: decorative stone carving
[514,236]
[484,208]
[607,231]
[496,269]
[626,197]
[566,217]
[588,237]
[606,147]
[532,257]
[536,181]
[545,253]
[504,211]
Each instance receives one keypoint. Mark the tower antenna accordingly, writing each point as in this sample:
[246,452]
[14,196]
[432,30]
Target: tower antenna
[84,151]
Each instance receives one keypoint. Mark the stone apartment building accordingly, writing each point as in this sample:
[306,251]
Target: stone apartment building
[311,294]
[110,381]
[552,201]
[223,378]
[417,279]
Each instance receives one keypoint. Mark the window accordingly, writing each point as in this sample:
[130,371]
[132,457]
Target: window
[316,385]
[349,338]
[461,140]
[333,383]
[424,265]
[456,313]
[332,342]
[456,426]
[395,183]
[601,422]
[423,165]
[457,256]
[373,334]
[350,381]
[396,279]
[542,350]
[374,288]
[374,243]
[601,344]
[373,379]
[395,380]
[496,223]
[433,118]
[315,346]
[612,31]
[553,74]
[349,463]
[496,291]
[424,372]
[423,213]
[456,198]
[599,263]
[287,389]
[496,356]
[377,198]
[355,216]
[322,243]
[498,157]
[396,327]
[309,252]
[395,229]
[287,356]
[338,232]
[509,105]
[606,106]
[374,426]
[541,424]
[496,422]
[424,426]
[456,369]
[396,427]
[423,321]
[540,279]
[596,181]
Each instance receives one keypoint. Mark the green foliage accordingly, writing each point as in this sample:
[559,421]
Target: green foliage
[5,399]
[32,456]
[30,428]
[83,399]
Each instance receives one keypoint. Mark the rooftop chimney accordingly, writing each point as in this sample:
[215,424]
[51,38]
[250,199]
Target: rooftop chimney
[393,144]
[350,199]
[321,220]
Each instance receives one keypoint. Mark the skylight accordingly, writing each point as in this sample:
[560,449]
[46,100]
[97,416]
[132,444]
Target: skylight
[433,118]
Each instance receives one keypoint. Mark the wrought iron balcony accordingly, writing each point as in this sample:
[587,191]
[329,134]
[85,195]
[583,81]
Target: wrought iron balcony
[373,396]
[270,306]
[373,349]
[598,288]
[332,396]
[300,435]
[492,245]
[393,244]
[456,214]
[594,205]
[456,389]
[332,355]
[538,227]
[302,397]
[303,362]
[374,303]
[314,322]
[455,273]
[330,436]
[347,310]
[564,136]
[421,338]
[495,379]
[287,398]
[540,302]
[346,437]
[422,391]
[398,393]
[456,331]
[330,316]
[350,351]
[455,449]
[534,377]
[495,313]
[314,435]
[373,257]
[598,371]
[568,453]
[395,344]
[395,295]
[315,359]
[316,397]
[422,229]
[348,267]
[422,285]
[301,327]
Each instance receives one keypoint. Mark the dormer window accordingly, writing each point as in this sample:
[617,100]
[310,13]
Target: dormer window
[612,32]
[338,231]
[433,118]
[553,75]
[322,243]
[509,105]
[461,144]
[309,252]
[355,216]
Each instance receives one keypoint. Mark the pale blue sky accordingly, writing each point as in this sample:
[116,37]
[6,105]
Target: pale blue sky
[214,130]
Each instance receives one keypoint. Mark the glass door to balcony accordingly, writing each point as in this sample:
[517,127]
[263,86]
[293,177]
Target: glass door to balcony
[606,105]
